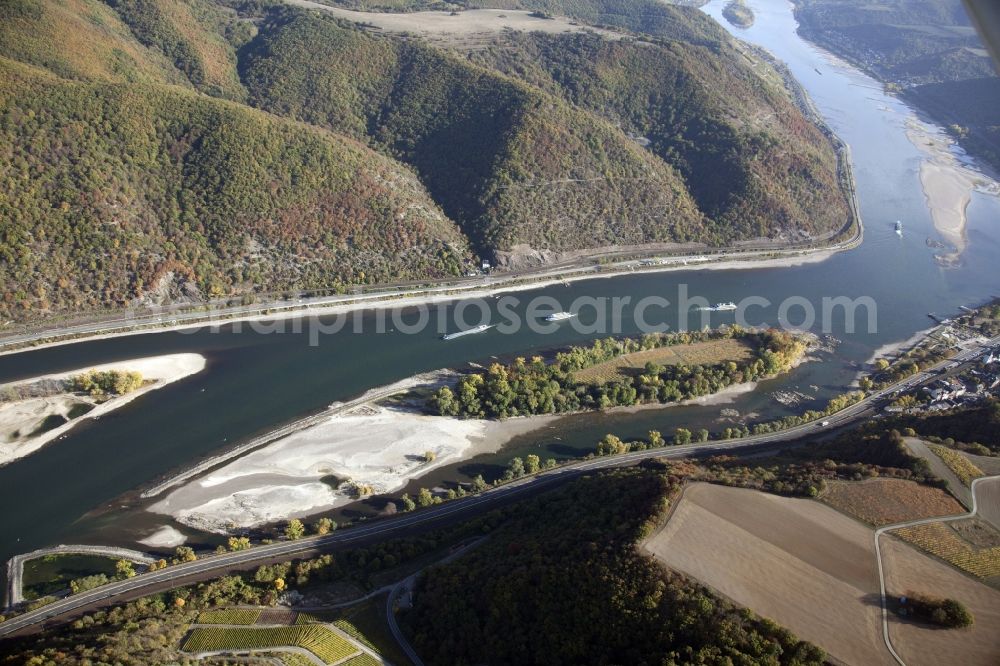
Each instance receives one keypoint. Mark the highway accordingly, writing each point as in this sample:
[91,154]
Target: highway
[205,314]
[214,565]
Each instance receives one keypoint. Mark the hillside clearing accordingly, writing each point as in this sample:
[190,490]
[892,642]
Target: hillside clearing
[710,352]
[988,493]
[462,30]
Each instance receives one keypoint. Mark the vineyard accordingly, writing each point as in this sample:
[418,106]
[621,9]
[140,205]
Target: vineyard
[229,616]
[956,462]
[321,641]
[885,501]
[940,540]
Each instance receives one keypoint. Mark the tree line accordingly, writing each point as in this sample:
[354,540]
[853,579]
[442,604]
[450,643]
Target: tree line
[536,387]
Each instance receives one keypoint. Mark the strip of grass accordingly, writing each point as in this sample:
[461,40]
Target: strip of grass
[319,640]
[363,659]
[710,352]
[295,659]
[229,616]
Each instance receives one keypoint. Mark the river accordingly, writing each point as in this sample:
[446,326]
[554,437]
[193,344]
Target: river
[72,491]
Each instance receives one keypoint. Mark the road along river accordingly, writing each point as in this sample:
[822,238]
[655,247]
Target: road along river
[72,491]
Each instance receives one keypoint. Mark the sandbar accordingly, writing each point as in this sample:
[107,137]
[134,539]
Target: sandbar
[313,469]
[26,416]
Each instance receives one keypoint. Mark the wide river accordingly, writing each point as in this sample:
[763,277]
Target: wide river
[72,491]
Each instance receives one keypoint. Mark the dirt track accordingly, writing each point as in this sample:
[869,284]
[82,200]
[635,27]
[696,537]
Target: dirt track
[908,570]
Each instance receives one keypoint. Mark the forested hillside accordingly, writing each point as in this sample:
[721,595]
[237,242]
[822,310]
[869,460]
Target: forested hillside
[510,163]
[216,148]
[754,165]
[927,48]
[562,582]
[109,188]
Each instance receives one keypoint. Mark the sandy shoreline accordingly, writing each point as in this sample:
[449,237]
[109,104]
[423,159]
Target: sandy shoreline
[382,448]
[947,185]
[164,537]
[159,370]
[316,468]
[318,464]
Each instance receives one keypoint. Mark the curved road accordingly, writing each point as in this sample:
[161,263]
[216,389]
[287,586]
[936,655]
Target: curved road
[384,295]
[913,523]
[180,574]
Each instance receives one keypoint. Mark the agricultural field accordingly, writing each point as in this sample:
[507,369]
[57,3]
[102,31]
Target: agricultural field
[229,616]
[365,623]
[977,532]
[886,501]
[942,541]
[909,571]
[321,641]
[710,352]
[988,494]
[957,463]
[796,561]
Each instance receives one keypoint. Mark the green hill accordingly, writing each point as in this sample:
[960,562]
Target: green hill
[751,162]
[344,156]
[511,163]
[108,191]
[534,142]
[93,42]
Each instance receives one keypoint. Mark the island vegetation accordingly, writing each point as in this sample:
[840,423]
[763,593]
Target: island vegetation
[106,383]
[535,387]
[738,13]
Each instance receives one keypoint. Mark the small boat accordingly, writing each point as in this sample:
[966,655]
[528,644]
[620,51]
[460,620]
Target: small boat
[471,331]
[560,316]
[720,307]
[899,227]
